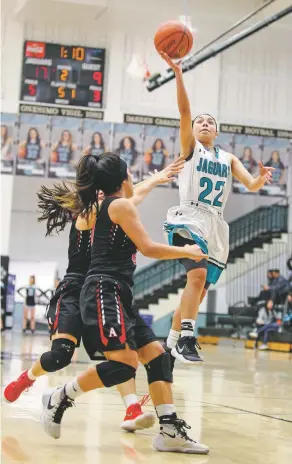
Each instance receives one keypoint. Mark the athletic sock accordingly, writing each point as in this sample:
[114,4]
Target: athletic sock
[172,338]
[30,375]
[187,327]
[72,389]
[132,398]
[163,410]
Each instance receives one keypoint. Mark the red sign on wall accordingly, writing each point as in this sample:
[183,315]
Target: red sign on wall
[35,49]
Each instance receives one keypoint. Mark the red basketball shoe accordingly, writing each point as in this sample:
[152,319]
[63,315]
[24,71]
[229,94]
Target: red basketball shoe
[13,391]
[136,419]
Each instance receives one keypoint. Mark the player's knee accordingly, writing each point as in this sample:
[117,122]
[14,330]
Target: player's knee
[197,278]
[60,355]
[159,369]
[113,373]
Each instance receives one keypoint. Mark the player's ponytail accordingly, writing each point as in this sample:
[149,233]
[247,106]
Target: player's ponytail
[104,172]
[53,206]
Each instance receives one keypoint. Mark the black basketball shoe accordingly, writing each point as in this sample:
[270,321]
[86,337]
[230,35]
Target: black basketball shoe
[186,350]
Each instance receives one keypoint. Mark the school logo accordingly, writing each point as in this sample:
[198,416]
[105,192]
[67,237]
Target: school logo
[112,332]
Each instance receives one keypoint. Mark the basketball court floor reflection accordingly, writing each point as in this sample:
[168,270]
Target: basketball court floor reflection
[238,402]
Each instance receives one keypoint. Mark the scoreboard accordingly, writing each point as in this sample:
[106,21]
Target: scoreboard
[62,75]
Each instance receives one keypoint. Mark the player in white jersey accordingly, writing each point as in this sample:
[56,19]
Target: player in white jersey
[204,186]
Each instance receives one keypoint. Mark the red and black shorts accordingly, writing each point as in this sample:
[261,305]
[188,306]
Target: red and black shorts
[109,320]
[63,312]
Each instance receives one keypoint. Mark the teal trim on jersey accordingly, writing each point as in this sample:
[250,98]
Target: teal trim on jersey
[213,273]
[172,229]
[217,152]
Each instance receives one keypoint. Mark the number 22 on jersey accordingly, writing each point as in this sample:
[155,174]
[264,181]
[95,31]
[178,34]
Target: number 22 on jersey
[208,186]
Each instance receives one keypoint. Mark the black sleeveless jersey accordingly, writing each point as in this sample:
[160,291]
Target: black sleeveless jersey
[79,250]
[30,295]
[112,252]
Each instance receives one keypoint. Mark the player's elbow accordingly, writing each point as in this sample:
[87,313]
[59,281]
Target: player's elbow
[148,249]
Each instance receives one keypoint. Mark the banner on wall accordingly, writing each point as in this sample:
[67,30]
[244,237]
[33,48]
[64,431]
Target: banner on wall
[60,111]
[65,147]
[150,120]
[33,143]
[253,144]
[96,137]
[128,144]
[8,140]
[159,146]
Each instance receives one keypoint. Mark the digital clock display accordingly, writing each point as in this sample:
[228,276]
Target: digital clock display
[62,75]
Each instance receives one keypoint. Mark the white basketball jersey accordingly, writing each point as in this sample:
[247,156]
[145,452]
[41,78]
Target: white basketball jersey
[206,178]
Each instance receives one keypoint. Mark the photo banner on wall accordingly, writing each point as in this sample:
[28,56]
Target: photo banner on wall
[33,146]
[9,130]
[253,144]
[96,137]
[128,144]
[65,147]
[159,146]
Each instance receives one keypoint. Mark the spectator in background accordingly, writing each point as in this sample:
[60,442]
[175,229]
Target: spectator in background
[6,144]
[127,151]
[268,321]
[265,293]
[31,149]
[248,160]
[63,151]
[287,314]
[155,158]
[29,293]
[279,287]
[275,162]
[289,266]
[97,145]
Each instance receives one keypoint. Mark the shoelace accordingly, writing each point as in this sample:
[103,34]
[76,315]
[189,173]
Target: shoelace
[190,344]
[179,426]
[144,400]
[64,404]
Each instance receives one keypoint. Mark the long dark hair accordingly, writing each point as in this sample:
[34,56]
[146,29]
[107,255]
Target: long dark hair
[162,144]
[38,139]
[92,143]
[51,208]
[132,141]
[104,172]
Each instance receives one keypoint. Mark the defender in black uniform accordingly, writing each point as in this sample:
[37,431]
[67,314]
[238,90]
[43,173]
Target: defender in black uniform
[110,323]
[63,314]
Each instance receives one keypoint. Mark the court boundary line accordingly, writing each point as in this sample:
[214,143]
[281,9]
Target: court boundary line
[250,412]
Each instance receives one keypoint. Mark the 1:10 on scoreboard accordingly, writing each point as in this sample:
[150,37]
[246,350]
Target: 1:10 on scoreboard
[77,53]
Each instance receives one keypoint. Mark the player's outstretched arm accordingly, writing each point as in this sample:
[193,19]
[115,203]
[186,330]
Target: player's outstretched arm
[253,184]
[164,176]
[124,213]
[187,139]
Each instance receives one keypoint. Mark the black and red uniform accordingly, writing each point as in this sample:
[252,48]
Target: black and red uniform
[109,319]
[63,313]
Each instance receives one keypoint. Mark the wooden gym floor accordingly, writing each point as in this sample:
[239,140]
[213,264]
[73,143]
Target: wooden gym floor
[239,403]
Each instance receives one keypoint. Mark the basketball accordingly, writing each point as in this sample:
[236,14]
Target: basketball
[173,38]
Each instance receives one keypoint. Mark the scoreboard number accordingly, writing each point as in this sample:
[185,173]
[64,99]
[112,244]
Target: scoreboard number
[62,74]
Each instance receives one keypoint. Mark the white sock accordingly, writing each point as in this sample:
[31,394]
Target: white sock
[187,327]
[172,338]
[132,398]
[72,389]
[164,410]
[30,375]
